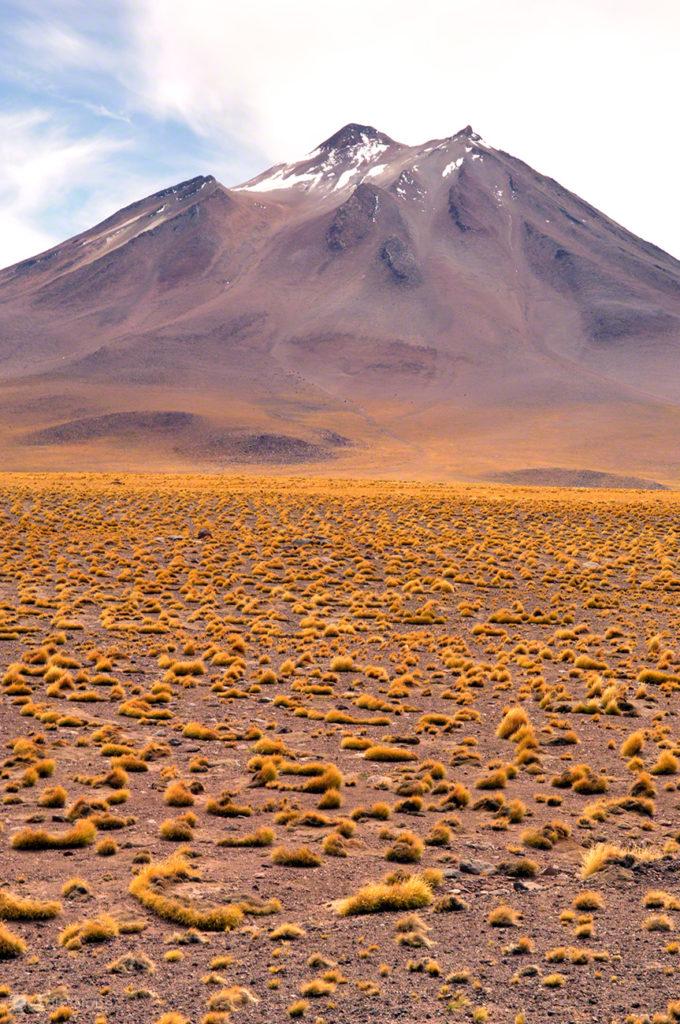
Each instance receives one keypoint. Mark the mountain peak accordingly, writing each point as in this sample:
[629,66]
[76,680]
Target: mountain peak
[351,135]
[336,163]
[468,132]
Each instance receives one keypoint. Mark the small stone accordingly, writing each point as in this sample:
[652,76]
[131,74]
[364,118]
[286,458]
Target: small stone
[475,867]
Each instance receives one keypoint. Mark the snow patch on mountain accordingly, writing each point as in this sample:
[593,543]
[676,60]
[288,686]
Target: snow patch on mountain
[332,167]
[453,166]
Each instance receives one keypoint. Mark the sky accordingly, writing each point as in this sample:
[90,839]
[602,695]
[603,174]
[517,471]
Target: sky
[105,101]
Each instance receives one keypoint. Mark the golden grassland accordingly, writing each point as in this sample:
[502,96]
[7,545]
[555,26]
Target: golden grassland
[337,750]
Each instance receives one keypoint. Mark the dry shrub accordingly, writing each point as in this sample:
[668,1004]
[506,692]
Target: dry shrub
[18,908]
[82,834]
[295,857]
[11,945]
[411,893]
[171,908]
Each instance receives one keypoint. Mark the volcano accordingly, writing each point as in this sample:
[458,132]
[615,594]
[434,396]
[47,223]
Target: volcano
[374,308]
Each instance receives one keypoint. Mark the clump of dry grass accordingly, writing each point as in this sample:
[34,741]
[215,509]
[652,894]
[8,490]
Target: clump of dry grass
[82,834]
[323,778]
[588,900]
[522,867]
[601,855]
[658,899]
[410,893]
[384,752]
[131,963]
[330,800]
[298,1008]
[666,764]
[317,987]
[173,908]
[53,796]
[406,849]
[633,744]
[412,931]
[187,668]
[554,980]
[11,945]
[546,837]
[75,888]
[522,947]
[196,731]
[88,932]
[513,720]
[343,663]
[379,811]
[61,1013]
[177,795]
[106,848]
[496,779]
[18,908]
[439,835]
[334,845]
[178,830]
[224,807]
[263,836]
[295,857]
[658,923]
[287,932]
[504,916]
[232,998]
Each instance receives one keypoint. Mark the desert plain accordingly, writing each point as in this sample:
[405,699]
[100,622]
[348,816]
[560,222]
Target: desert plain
[337,751]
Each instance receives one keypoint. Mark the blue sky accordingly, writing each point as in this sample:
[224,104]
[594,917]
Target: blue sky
[105,101]
[77,138]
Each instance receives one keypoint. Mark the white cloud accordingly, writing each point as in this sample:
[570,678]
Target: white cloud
[58,46]
[40,164]
[19,239]
[581,89]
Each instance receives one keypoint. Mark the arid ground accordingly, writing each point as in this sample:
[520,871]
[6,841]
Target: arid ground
[344,752]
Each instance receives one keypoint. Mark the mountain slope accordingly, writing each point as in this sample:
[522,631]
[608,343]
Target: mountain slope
[439,309]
